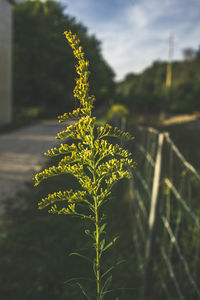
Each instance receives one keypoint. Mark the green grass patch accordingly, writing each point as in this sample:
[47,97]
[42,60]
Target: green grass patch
[35,247]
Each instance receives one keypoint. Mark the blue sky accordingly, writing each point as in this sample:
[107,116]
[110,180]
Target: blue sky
[134,33]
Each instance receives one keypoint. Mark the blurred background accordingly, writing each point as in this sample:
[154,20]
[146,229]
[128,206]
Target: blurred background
[144,54]
[145,70]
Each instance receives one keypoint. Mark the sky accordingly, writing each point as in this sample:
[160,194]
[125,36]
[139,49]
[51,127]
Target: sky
[135,33]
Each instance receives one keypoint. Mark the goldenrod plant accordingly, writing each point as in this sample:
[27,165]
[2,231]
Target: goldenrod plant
[118,110]
[94,162]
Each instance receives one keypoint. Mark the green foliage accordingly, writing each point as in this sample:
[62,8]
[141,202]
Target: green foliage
[118,110]
[94,162]
[143,92]
[43,68]
[34,247]
[147,92]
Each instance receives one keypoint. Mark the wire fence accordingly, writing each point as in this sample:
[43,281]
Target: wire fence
[165,200]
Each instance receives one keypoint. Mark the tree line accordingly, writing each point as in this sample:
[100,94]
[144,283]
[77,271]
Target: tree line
[44,72]
[147,91]
[43,68]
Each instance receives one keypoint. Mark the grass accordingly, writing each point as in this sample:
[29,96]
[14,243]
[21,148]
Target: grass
[35,247]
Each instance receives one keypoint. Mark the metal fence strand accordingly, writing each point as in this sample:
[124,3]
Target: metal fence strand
[143,182]
[181,200]
[177,233]
[146,154]
[172,274]
[180,155]
[181,256]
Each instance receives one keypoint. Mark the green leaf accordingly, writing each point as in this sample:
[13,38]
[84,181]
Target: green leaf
[102,243]
[83,291]
[101,229]
[105,287]
[88,233]
[113,267]
[108,271]
[94,267]
[78,278]
[82,256]
[110,244]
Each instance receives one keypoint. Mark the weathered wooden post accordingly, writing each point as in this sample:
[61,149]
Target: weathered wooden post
[153,218]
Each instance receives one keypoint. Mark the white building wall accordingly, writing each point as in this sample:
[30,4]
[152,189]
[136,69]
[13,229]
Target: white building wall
[5,62]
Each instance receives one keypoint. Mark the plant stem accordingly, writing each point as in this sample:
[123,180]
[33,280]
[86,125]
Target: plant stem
[97,249]
[98,288]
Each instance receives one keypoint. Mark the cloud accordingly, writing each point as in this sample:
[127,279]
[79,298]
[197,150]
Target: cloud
[134,33]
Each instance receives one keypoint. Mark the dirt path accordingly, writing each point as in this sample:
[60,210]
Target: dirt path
[21,155]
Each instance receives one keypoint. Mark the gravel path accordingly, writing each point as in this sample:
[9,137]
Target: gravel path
[21,155]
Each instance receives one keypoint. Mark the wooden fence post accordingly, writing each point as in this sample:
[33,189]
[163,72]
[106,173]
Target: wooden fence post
[153,217]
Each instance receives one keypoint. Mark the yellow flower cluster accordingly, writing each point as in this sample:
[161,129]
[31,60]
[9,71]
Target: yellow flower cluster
[81,90]
[114,166]
[63,149]
[84,159]
[108,130]
[69,196]
[91,159]
[78,130]
[103,148]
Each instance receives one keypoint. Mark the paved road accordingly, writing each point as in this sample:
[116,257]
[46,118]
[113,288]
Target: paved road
[21,155]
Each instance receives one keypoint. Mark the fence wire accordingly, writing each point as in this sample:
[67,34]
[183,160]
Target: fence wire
[175,271]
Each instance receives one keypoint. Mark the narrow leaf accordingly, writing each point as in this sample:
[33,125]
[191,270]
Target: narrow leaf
[79,278]
[105,287]
[102,243]
[101,229]
[113,267]
[82,256]
[83,291]
[108,271]
[94,267]
[88,233]
[111,243]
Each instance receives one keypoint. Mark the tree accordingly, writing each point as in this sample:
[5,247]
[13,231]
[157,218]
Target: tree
[189,54]
[146,92]
[43,65]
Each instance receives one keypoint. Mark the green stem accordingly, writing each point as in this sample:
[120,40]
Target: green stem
[97,250]
[98,287]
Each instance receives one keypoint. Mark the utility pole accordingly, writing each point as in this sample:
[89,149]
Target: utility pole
[168,83]
[169,64]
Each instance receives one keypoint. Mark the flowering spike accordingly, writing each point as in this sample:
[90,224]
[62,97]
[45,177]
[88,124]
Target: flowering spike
[92,160]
